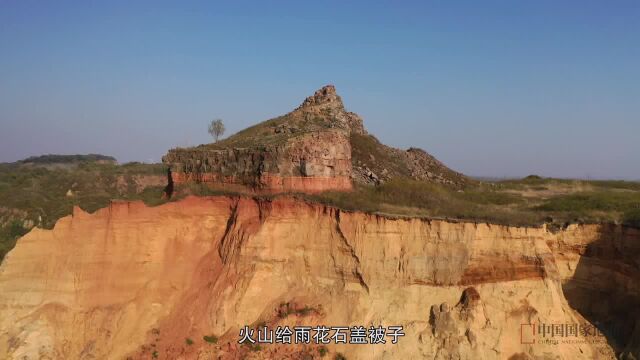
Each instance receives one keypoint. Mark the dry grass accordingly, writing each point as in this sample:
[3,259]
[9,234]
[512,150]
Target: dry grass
[513,203]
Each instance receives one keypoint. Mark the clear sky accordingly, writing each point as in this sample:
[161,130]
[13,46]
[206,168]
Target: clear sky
[492,88]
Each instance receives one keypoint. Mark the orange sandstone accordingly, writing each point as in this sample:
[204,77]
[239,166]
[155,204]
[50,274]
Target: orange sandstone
[132,281]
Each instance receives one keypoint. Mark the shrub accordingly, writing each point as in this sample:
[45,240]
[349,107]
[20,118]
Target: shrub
[16,230]
[306,310]
[212,339]
[339,356]
[284,310]
[632,218]
[322,350]
[188,341]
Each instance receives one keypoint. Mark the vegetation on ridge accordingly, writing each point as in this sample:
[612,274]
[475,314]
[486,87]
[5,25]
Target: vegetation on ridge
[275,131]
[39,196]
[514,202]
[55,158]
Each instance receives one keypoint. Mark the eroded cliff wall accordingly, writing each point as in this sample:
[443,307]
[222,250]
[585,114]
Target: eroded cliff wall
[310,162]
[130,281]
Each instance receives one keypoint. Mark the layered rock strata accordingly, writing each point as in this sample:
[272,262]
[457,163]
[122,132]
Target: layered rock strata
[311,162]
[131,281]
[307,150]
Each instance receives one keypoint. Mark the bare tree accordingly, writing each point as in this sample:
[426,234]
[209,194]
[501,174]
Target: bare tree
[216,128]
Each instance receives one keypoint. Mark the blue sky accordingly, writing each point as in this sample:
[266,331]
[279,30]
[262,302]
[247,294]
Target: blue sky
[492,88]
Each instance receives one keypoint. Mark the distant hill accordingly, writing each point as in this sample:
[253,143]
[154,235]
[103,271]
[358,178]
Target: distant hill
[67,159]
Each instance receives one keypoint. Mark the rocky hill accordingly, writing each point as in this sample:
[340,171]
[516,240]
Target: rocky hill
[318,146]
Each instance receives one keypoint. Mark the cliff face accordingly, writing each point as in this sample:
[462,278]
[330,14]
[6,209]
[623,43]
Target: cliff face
[601,269]
[131,281]
[311,162]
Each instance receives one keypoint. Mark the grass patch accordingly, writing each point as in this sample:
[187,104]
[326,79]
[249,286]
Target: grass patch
[418,198]
[632,218]
[616,184]
[265,134]
[537,182]
[496,203]
[590,206]
[364,147]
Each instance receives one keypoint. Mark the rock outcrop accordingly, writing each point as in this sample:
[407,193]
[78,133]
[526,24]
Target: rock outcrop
[312,162]
[327,102]
[314,148]
[138,282]
[307,150]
